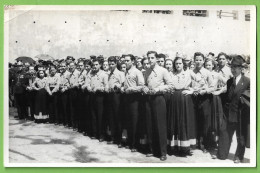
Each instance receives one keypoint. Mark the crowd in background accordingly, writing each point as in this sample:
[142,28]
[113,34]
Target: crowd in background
[156,104]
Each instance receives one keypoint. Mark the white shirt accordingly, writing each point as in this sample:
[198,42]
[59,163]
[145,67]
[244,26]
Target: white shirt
[238,79]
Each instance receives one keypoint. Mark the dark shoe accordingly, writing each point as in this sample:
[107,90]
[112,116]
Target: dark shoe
[163,158]
[127,147]
[120,146]
[93,137]
[101,140]
[133,150]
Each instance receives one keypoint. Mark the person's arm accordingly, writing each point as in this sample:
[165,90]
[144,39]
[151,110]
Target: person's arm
[140,83]
[168,82]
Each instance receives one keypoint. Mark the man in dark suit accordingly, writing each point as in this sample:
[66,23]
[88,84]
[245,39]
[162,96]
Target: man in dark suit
[236,85]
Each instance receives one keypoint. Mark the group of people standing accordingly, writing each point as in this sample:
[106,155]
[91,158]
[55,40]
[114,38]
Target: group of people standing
[163,102]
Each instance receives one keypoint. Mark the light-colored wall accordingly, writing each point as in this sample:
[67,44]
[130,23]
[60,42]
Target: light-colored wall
[128,32]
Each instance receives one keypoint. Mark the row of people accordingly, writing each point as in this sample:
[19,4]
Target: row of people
[174,103]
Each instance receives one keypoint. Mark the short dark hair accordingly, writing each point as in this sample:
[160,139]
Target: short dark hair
[210,53]
[132,57]
[161,56]
[88,62]
[199,54]
[112,59]
[97,60]
[145,58]
[152,52]
[224,54]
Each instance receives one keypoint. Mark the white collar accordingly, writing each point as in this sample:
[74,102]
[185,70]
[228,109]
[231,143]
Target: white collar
[238,78]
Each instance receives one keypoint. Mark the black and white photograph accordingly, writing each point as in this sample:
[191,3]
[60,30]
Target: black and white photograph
[129,86]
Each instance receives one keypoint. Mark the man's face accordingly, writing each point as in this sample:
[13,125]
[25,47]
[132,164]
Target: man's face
[31,70]
[128,62]
[139,63]
[146,64]
[96,66]
[105,66]
[222,61]
[160,62]
[26,64]
[87,67]
[62,67]
[236,70]
[81,66]
[199,61]
[72,67]
[112,65]
[152,59]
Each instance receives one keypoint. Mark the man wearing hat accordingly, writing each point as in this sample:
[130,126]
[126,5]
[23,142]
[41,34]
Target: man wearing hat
[236,86]
[20,84]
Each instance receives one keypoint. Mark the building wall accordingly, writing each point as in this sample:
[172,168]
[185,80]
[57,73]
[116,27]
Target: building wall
[85,33]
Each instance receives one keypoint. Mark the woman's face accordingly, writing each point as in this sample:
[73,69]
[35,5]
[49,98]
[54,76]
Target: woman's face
[192,66]
[41,74]
[169,65]
[123,68]
[105,66]
[199,61]
[209,65]
[179,65]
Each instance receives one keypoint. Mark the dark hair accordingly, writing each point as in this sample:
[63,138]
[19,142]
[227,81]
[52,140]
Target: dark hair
[198,54]
[174,61]
[210,53]
[132,57]
[145,58]
[97,60]
[152,52]
[169,60]
[70,57]
[39,73]
[80,61]
[52,65]
[88,62]
[120,66]
[112,59]
[161,56]
[222,53]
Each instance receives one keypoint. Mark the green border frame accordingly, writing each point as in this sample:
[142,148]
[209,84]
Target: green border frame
[116,2]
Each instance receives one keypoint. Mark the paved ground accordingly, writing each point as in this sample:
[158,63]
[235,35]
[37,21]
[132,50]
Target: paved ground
[45,143]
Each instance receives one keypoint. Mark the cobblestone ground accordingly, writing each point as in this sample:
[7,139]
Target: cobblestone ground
[47,143]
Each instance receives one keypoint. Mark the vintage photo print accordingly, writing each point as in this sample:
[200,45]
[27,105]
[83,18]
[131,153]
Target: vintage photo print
[129,86]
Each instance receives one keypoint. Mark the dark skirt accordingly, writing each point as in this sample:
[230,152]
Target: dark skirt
[181,120]
[217,116]
[41,111]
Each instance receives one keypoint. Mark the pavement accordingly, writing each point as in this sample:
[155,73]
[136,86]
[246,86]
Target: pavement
[48,143]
